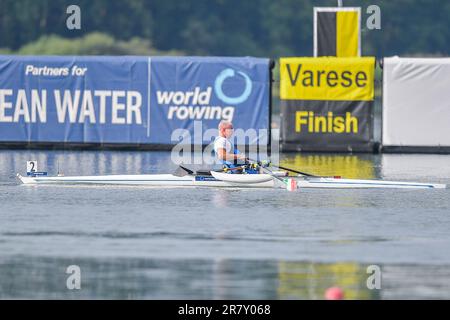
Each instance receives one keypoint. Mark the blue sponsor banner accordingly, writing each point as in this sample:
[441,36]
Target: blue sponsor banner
[185,90]
[129,100]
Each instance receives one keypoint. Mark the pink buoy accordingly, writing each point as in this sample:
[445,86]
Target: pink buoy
[334,293]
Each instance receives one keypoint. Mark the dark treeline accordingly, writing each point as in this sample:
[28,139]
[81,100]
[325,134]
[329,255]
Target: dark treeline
[270,28]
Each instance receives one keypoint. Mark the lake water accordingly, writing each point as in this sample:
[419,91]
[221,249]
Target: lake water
[199,243]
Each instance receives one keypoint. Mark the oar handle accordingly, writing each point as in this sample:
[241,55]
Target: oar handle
[234,168]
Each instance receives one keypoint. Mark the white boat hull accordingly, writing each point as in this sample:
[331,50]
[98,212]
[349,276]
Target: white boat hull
[364,184]
[324,182]
[228,180]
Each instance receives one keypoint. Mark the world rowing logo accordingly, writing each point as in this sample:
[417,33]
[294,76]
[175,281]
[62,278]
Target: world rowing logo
[227,73]
[199,103]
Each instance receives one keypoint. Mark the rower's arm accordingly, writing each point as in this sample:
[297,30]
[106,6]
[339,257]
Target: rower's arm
[223,155]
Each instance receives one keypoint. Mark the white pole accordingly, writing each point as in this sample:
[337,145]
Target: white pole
[340,3]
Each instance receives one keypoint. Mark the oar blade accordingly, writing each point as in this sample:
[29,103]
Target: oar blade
[182,171]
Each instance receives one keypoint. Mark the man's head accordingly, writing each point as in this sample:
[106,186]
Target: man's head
[225,129]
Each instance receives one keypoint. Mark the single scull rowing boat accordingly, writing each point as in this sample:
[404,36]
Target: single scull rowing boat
[221,179]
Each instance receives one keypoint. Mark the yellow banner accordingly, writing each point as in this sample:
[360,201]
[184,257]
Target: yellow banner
[347,37]
[334,79]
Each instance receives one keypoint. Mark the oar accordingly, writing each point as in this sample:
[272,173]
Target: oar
[182,171]
[281,182]
[307,174]
[234,168]
[299,172]
[294,171]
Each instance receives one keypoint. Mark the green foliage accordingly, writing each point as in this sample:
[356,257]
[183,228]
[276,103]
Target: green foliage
[5,51]
[216,27]
[91,44]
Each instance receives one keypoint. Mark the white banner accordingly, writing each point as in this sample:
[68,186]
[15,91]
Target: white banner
[416,102]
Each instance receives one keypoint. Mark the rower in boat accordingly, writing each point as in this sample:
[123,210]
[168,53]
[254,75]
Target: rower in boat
[231,158]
